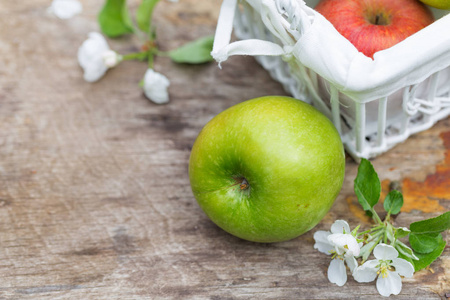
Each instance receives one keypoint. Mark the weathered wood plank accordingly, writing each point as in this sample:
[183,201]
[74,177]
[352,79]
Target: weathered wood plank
[95,200]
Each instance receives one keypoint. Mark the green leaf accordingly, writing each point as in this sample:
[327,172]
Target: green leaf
[114,19]
[196,52]
[393,202]
[355,231]
[401,232]
[405,251]
[366,250]
[144,14]
[433,225]
[367,185]
[423,243]
[426,259]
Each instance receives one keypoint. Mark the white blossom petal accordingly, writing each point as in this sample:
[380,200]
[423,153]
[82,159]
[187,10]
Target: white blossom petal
[403,267]
[155,86]
[340,226]
[65,9]
[322,244]
[345,243]
[391,284]
[385,252]
[372,264]
[91,49]
[90,56]
[337,273]
[367,272]
[94,72]
[351,263]
[111,58]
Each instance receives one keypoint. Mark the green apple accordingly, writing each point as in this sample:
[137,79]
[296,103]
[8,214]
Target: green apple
[441,4]
[267,169]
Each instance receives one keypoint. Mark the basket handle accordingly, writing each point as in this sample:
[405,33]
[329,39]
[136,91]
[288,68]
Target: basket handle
[222,48]
[297,27]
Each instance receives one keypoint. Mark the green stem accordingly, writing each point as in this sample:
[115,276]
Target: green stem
[388,217]
[375,235]
[390,232]
[150,59]
[376,217]
[136,55]
[371,230]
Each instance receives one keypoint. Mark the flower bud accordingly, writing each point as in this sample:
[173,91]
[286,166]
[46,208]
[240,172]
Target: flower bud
[111,58]
[155,86]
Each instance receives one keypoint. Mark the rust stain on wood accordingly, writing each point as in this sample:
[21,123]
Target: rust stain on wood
[425,195]
[355,208]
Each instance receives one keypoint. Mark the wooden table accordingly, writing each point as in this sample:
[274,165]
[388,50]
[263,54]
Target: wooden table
[95,201]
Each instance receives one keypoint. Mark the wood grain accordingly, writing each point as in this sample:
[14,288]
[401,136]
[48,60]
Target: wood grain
[95,201]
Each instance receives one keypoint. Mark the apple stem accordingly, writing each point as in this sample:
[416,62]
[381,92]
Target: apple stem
[244,185]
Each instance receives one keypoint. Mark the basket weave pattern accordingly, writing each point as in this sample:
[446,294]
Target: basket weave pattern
[368,127]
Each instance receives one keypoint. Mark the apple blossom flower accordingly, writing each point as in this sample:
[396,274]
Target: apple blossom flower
[155,86]
[388,267]
[95,57]
[343,247]
[111,58]
[65,9]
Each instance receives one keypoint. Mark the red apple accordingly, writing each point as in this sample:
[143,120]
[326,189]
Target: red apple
[374,25]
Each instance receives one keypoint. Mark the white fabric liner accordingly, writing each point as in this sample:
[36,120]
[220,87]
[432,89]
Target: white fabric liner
[320,47]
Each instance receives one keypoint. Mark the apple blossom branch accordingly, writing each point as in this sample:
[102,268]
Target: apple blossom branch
[95,56]
[393,258]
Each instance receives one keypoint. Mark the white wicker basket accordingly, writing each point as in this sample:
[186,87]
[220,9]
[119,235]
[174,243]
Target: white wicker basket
[374,104]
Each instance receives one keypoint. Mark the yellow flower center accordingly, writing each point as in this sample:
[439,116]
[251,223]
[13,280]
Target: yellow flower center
[384,267]
[384,271]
